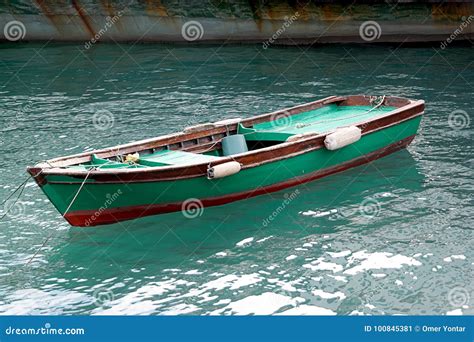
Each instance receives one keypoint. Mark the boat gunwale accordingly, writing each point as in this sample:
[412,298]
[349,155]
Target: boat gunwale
[247,166]
[317,140]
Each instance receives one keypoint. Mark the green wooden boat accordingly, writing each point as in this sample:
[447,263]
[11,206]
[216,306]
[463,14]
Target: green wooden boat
[217,163]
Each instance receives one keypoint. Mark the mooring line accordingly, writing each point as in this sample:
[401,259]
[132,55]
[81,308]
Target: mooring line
[78,191]
[37,251]
[22,186]
[65,212]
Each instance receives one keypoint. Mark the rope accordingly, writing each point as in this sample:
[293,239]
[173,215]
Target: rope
[82,185]
[66,211]
[37,251]
[22,186]
[79,190]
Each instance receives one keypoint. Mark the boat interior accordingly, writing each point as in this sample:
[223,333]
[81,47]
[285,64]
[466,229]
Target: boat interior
[206,143]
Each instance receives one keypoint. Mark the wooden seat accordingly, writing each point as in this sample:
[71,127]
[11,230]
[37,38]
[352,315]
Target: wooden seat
[170,157]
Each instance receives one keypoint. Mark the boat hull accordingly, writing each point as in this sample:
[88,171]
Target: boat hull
[109,202]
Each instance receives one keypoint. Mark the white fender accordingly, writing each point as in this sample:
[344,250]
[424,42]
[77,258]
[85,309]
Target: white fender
[223,170]
[342,137]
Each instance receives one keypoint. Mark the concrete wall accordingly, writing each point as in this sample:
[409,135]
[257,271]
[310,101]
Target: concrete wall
[265,21]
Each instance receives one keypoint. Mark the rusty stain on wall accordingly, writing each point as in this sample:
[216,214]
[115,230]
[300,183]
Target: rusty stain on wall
[156,7]
[239,20]
[451,10]
[84,17]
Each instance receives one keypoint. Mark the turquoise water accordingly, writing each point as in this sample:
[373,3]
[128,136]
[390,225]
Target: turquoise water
[391,237]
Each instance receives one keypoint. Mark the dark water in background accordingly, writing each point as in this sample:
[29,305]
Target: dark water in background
[393,237]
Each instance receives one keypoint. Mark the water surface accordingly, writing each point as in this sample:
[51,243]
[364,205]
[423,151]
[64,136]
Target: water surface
[391,237]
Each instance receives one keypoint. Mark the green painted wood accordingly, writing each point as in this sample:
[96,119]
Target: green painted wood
[169,157]
[93,196]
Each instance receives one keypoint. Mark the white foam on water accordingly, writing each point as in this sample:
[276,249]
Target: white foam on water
[321,265]
[398,282]
[388,194]
[378,260]
[379,275]
[144,307]
[137,302]
[265,239]
[454,257]
[266,303]
[307,310]
[325,213]
[338,278]
[193,272]
[180,309]
[244,242]
[232,282]
[291,257]
[33,301]
[223,301]
[172,270]
[339,254]
[221,254]
[286,286]
[357,313]
[456,312]
[327,295]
